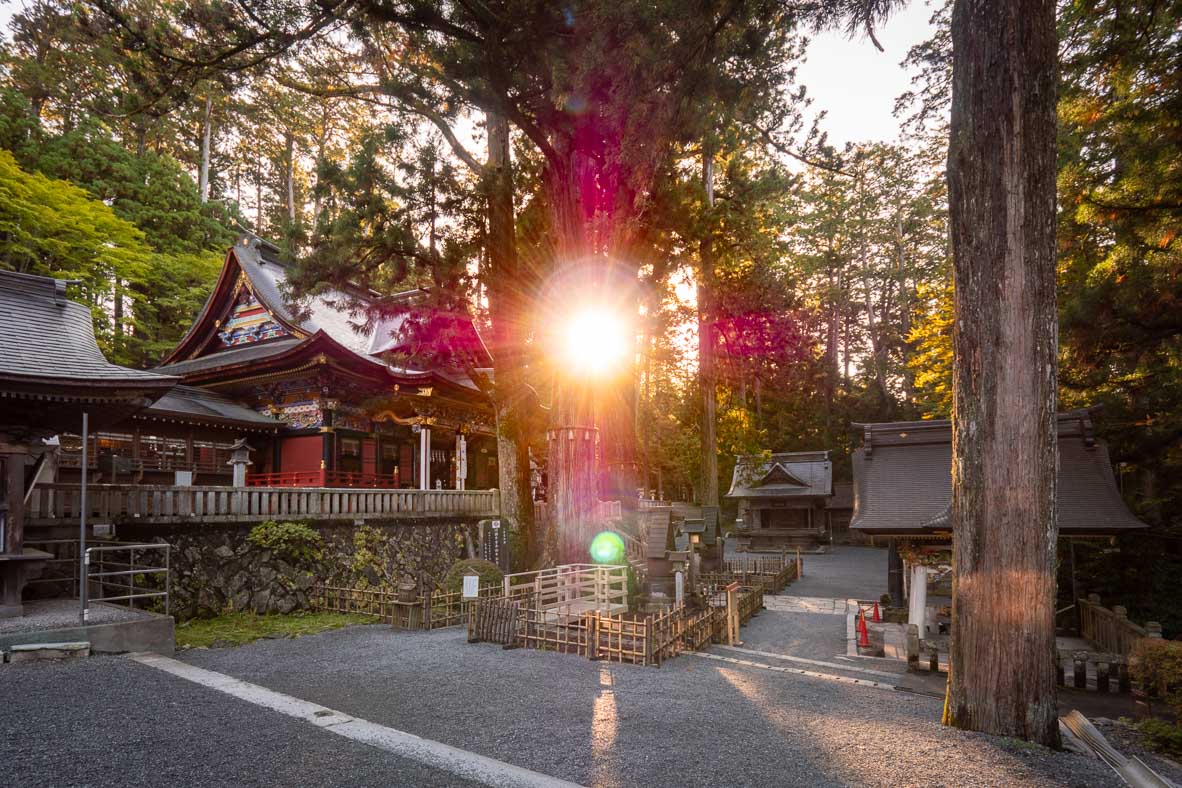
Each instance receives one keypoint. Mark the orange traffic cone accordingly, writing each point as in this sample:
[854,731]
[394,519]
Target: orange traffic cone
[876,617]
[863,632]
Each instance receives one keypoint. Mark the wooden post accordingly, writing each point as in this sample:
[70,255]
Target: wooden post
[732,615]
[1079,660]
[799,565]
[934,660]
[1060,672]
[912,647]
[1102,677]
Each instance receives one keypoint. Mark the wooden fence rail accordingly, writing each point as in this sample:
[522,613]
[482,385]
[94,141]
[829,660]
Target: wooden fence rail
[1110,630]
[54,504]
[429,610]
[604,635]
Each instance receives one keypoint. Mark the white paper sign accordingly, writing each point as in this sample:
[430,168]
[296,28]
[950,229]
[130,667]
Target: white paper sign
[471,586]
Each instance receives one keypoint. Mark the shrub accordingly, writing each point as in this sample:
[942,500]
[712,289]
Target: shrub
[296,542]
[1157,666]
[488,572]
[1161,736]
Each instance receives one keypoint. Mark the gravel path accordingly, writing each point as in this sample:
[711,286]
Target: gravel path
[691,722]
[107,721]
[63,613]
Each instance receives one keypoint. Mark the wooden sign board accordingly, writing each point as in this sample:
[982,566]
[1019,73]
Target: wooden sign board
[471,586]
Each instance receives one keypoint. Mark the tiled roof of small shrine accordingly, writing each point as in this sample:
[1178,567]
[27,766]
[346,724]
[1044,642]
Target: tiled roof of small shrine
[903,480]
[786,475]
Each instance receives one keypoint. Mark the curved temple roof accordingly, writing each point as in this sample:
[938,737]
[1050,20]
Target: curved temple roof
[903,480]
[798,474]
[323,317]
[51,368]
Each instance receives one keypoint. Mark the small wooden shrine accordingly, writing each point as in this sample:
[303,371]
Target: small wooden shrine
[903,491]
[782,500]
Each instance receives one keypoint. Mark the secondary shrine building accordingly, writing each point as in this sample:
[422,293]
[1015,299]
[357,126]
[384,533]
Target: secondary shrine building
[319,395]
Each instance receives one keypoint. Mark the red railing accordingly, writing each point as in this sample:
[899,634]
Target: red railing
[323,478]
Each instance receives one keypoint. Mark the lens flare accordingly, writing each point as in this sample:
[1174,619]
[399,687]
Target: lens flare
[607,548]
[595,342]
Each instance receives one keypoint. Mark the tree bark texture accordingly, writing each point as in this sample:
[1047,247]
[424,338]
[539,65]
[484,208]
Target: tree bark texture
[1001,177]
[289,148]
[206,136]
[707,366]
[574,492]
[507,311]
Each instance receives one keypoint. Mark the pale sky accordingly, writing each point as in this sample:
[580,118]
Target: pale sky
[856,84]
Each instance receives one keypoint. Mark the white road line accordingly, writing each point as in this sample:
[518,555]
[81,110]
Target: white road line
[795,671]
[462,763]
[803,661]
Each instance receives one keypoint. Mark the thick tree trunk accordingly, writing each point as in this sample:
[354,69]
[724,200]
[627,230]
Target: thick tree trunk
[321,143]
[707,367]
[290,176]
[206,136]
[506,305]
[1001,177]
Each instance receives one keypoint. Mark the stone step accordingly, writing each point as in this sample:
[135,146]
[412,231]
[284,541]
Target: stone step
[36,652]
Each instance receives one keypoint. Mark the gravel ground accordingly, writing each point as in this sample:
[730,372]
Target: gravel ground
[691,722]
[810,635]
[1127,739]
[107,721]
[844,572]
[63,613]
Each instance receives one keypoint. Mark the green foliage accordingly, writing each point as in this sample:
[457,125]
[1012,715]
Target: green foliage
[489,573]
[237,629]
[1156,665]
[294,541]
[932,363]
[1161,736]
[366,562]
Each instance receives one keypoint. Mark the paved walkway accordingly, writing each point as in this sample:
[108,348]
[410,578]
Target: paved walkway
[806,604]
[843,573]
[809,620]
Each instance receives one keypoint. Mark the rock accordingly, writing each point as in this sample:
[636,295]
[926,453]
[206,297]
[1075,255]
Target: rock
[35,652]
[240,600]
[223,551]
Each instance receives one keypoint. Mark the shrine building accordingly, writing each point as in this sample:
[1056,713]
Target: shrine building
[321,396]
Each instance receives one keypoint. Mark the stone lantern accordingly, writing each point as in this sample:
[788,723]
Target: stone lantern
[239,459]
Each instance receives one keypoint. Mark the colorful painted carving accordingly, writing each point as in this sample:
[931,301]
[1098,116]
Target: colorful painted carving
[249,322]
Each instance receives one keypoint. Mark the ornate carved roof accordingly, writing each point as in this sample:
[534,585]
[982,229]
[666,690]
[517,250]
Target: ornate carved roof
[250,323]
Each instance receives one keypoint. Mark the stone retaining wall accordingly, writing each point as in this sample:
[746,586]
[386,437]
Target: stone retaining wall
[217,569]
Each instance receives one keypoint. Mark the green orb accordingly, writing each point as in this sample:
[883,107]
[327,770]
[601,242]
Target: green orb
[607,548]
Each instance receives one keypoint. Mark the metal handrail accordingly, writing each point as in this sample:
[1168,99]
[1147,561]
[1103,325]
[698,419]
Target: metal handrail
[100,578]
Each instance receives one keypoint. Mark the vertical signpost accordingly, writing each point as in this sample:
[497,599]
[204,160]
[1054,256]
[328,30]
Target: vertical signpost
[461,462]
[83,558]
